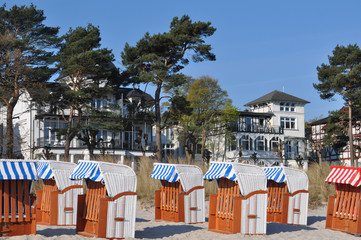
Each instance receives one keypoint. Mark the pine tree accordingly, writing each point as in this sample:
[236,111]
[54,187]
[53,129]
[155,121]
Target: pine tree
[87,70]
[159,58]
[342,76]
[26,54]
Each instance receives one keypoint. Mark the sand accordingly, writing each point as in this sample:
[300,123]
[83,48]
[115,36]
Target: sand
[147,228]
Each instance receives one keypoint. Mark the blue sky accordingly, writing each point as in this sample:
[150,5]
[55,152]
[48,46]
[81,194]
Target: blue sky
[260,46]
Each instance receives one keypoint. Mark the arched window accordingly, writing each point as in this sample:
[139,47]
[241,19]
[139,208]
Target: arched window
[273,143]
[246,142]
[260,143]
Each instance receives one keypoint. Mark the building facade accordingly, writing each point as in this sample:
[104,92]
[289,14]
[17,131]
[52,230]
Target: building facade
[328,153]
[273,121]
[35,129]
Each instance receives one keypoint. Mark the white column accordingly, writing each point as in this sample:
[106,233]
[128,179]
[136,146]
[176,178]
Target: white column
[72,158]
[133,165]
[57,157]
[122,159]
[305,165]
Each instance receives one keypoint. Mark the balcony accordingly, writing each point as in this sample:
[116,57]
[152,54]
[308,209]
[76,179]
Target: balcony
[253,128]
[109,145]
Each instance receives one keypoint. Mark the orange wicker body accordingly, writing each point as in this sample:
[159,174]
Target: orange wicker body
[93,210]
[277,205]
[225,208]
[344,211]
[169,202]
[18,215]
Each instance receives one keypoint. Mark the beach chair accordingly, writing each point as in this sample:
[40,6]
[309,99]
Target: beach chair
[344,211]
[240,206]
[58,200]
[108,208]
[17,203]
[181,197]
[287,195]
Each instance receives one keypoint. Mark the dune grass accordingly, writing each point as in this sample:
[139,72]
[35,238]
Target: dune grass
[147,186]
[318,188]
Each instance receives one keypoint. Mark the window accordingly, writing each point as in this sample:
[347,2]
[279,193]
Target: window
[287,107]
[275,141]
[260,143]
[246,143]
[288,123]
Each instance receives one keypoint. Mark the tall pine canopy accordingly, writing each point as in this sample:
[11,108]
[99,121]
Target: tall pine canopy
[87,71]
[342,76]
[26,56]
[159,58]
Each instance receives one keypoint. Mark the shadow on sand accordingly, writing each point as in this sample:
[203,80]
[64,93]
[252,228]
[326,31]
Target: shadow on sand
[313,219]
[50,232]
[165,231]
[275,228]
[141,220]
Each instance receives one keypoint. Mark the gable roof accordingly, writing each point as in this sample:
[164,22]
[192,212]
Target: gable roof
[276,96]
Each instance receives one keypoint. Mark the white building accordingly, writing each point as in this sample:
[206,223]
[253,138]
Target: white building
[289,114]
[271,119]
[35,129]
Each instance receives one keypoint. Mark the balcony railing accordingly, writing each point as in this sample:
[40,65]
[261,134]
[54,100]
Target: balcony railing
[107,145]
[252,128]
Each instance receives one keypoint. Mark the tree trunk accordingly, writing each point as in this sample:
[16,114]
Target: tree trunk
[9,131]
[158,121]
[68,138]
[354,163]
[203,142]
[188,154]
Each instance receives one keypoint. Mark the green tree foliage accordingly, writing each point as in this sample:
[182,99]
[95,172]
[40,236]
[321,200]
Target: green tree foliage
[337,130]
[211,106]
[87,71]
[200,108]
[159,58]
[26,52]
[342,76]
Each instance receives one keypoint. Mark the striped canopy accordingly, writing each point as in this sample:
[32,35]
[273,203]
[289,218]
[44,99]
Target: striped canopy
[44,170]
[219,170]
[87,170]
[165,172]
[250,178]
[275,173]
[345,175]
[18,170]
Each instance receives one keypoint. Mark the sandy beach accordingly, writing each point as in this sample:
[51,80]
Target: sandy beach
[147,228]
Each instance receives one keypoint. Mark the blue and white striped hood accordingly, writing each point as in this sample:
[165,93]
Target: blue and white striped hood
[117,178]
[44,170]
[275,173]
[190,176]
[296,179]
[18,170]
[59,171]
[87,170]
[219,170]
[165,172]
[250,178]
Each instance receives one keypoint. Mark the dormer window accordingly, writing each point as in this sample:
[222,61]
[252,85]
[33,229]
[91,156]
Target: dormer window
[287,107]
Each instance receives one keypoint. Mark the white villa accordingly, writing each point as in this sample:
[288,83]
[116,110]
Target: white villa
[273,118]
[35,125]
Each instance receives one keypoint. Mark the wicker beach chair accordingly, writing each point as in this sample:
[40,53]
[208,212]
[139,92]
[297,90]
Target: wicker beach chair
[58,200]
[181,197]
[287,195]
[17,209]
[108,207]
[344,210]
[241,202]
